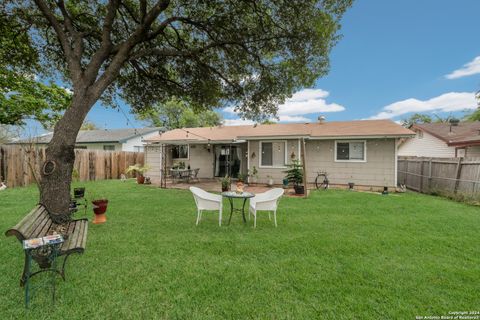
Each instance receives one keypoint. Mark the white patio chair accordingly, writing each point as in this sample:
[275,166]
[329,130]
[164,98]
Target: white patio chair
[267,201]
[207,201]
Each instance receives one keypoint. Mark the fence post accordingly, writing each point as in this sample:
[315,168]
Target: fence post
[421,176]
[458,174]
[430,175]
[3,176]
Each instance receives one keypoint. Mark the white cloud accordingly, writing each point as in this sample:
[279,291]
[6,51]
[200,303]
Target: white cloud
[468,69]
[447,102]
[303,102]
[293,119]
[68,90]
[236,122]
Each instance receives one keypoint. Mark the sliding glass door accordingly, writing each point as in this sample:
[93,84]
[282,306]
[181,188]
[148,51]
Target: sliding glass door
[227,160]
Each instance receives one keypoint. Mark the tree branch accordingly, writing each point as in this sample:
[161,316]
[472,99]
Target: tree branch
[124,49]
[106,43]
[48,14]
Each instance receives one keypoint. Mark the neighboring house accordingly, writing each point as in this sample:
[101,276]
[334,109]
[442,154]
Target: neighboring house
[362,152]
[443,140]
[108,139]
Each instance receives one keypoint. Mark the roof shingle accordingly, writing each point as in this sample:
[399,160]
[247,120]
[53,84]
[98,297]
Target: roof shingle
[360,128]
[463,133]
[93,136]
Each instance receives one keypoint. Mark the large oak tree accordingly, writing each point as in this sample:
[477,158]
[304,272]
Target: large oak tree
[251,54]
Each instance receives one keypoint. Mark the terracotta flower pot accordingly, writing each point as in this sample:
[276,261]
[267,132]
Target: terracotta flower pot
[99,208]
[140,179]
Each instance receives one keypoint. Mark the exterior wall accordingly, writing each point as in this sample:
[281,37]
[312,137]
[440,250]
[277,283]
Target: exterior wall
[473,151]
[153,159]
[378,170]
[277,174]
[200,157]
[428,146]
[130,144]
[99,146]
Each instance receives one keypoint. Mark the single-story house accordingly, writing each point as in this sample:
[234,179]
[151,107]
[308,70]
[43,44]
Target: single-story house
[108,139]
[444,140]
[362,152]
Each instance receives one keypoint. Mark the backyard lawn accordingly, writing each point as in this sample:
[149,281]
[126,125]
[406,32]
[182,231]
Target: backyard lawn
[335,255]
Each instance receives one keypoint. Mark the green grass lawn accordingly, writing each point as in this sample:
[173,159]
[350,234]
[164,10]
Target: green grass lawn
[335,255]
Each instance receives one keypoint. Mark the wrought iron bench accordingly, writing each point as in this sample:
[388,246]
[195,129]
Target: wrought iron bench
[38,223]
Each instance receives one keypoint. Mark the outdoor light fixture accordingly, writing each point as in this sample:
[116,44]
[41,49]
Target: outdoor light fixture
[253,155]
[293,155]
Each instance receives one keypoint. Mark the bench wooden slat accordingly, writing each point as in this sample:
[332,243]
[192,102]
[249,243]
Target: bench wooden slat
[71,228]
[73,237]
[20,230]
[85,232]
[46,227]
[35,217]
[37,227]
[80,236]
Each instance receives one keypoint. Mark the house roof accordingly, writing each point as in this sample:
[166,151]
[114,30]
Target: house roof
[464,134]
[96,136]
[344,129]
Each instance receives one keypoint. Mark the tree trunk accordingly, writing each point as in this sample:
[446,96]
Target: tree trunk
[56,173]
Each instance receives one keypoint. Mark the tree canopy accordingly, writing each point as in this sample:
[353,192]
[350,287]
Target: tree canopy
[21,95]
[474,116]
[416,118]
[89,125]
[176,113]
[250,54]
[253,53]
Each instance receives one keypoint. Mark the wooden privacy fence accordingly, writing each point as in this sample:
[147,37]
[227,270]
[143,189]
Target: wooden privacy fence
[20,165]
[440,175]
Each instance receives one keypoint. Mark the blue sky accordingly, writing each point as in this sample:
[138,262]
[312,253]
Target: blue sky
[393,60]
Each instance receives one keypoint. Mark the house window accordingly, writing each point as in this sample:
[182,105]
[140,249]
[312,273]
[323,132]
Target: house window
[180,151]
[354,151]
[80,147]
[272,154]
[109,147]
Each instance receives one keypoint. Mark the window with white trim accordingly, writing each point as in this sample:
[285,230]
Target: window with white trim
[109,147]
[180,151]
[350,151]
[273,154]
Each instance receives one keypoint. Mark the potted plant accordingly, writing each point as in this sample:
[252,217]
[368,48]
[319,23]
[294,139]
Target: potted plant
[226,182]
[253,175]
[270,180]
[139,170]
[285,183]
[295,176]
[241,182]
[100,204]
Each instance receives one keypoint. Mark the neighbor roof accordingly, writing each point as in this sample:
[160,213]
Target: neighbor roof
[350,129]
[95,136]
[463,134]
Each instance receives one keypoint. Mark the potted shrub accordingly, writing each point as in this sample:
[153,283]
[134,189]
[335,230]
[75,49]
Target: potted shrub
[100,204]
[226,182]
[295,176]
[253,175]
[139,170]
